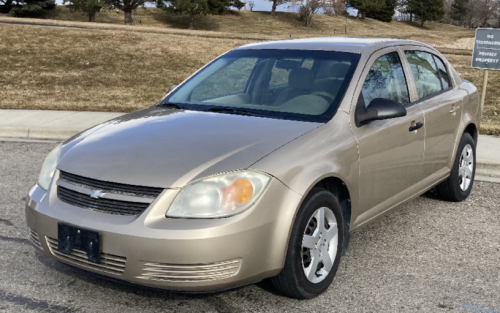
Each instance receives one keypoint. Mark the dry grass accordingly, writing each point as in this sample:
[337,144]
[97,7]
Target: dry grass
[74,69]
[259,24]
[113,67]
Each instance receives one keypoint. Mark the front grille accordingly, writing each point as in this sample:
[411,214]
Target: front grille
[191,272]
[100,204]
[110,263]
[90,183]
[33,238]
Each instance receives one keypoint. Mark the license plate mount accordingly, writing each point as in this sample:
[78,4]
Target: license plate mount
[88,241]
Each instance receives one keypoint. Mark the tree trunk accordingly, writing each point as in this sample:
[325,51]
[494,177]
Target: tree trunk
[363,14]
[191,18]
[422,23]
[7,6]
[308,20]
[411,17]
[273,11]
[92,16]
[128,16]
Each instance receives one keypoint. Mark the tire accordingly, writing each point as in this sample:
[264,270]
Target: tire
[324,243]
[458,185]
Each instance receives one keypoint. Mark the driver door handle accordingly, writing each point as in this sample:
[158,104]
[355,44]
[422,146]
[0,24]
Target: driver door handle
[416,126]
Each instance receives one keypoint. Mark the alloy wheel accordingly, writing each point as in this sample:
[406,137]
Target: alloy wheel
[319,245]
[465,167]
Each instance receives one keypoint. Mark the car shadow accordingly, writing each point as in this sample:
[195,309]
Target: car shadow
[118,285]
[213,299]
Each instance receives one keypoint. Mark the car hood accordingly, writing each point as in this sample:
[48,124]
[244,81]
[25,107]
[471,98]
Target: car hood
[168,148]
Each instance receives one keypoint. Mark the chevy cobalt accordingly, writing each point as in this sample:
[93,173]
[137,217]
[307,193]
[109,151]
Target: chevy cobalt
[259,165]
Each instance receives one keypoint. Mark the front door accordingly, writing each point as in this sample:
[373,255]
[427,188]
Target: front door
[391,154]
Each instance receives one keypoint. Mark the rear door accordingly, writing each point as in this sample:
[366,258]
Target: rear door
[442,107]
[391,155]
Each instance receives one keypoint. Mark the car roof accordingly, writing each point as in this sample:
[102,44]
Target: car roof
[342,44]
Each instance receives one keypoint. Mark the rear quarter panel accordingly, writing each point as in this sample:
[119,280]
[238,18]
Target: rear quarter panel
[471,113]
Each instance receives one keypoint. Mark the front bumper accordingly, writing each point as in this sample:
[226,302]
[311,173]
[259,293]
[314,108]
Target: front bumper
[176,254]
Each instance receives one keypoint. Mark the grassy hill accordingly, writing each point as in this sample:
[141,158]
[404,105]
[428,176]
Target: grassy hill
[108,66]
[284,25]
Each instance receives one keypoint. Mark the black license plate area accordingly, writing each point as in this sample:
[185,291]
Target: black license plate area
[88,241]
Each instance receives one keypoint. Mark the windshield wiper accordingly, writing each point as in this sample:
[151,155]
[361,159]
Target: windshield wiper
[171,105]
[233,111]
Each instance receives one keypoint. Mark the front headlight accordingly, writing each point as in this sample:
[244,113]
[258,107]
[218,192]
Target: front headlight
[49,167]
[219,196]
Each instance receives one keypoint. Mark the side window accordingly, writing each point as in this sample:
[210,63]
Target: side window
[424,72]
[230,80]
[443,73]
[386,80]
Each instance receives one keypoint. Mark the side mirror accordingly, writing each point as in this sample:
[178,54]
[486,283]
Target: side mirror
[172,88]
[379,109]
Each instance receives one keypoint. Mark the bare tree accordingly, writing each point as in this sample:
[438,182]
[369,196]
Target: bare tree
[403,7]
[496,11]
[447,7]
[307,8]
[251,4]
[478,12]
[338,6]
[275,4]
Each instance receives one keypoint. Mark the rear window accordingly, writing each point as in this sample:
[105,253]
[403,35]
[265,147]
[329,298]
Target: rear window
[429,79]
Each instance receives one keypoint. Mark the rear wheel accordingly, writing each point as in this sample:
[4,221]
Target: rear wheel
[459,185]
[315,247]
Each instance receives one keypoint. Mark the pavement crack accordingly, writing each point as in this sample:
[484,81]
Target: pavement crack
[33,304]
[15,239]
[6,222]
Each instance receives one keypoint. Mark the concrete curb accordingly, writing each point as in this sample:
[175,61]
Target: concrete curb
[41,124]
[488,169]
[488,179]
[37,133]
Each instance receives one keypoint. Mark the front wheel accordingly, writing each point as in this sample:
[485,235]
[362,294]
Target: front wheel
[315,247]
[459,185]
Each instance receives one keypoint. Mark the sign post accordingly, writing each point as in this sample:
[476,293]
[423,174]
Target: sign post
[486,54]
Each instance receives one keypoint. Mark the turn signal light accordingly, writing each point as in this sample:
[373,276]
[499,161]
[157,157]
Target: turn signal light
[241,191]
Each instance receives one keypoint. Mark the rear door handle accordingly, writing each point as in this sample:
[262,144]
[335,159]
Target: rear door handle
[416,126]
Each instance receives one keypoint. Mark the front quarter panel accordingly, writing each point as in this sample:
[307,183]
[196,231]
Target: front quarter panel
[328,151]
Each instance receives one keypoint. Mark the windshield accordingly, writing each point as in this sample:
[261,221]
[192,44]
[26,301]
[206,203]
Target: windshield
[288,84]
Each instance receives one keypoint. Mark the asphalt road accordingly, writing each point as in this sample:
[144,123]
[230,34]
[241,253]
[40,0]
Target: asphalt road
[427,256]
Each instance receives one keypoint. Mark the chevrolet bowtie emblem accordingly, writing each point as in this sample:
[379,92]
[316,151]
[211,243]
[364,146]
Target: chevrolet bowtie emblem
[96,194]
